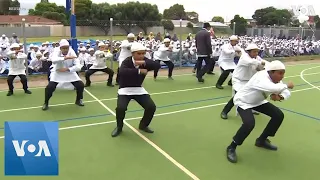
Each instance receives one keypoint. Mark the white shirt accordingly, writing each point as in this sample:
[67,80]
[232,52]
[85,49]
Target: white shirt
[257,90]
[244,70]
[125,51]
[100,60]
[162,53]
[17,63]
[35,64]
[226,58]
[58,62]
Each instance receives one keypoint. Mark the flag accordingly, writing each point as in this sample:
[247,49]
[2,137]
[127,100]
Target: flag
[68,5]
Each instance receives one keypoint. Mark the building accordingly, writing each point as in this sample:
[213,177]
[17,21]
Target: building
[184,23]
[30,21]
[252,22]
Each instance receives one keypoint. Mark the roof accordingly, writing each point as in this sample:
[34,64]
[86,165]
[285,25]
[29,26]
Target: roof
[16,19]
[184,23]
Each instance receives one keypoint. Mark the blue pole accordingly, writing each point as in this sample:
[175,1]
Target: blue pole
[74,41]
[73,24]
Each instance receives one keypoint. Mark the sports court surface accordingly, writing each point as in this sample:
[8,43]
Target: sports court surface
[189,140]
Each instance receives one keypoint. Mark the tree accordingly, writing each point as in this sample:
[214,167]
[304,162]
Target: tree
[9,7]
[83,9]
[175,12]
[217,19]
[316,20]
[44,1]
[240,26]
[50,11]
[167,25]
[192,17]
[189,25]
[271,16]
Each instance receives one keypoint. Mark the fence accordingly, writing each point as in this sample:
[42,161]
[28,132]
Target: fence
[284,31]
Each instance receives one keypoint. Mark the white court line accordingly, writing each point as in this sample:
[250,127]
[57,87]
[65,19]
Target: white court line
[161,114]
[99,82]
[110,99]
[180,166]
[302,74]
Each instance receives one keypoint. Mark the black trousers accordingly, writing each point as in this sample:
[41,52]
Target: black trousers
[202,70]
[213,63]
[170,66]
[144,100]
[229,105]
[107,70]
[118,76]
[248,121]
[223,76]
[23,80]
[51,87]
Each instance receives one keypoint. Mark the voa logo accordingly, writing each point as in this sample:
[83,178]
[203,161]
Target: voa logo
[42,147]
[303,10]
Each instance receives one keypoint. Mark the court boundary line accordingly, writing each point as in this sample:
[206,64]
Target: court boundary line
[110,99]
[302,76]
[155,146]
[100,82]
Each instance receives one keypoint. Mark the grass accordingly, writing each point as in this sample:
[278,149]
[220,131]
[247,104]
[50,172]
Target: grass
[187,127]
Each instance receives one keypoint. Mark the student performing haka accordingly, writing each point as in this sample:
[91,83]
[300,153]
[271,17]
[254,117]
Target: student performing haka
[252,96]
[65,66]
[133,71]
[100,64]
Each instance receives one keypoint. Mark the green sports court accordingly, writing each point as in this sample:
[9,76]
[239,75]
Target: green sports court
[190,138]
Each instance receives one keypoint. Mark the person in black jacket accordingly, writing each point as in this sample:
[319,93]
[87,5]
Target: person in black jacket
[133,71]
[204,51]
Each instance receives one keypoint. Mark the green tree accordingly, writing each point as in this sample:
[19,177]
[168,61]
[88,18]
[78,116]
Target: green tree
[167,25]
[50,11]
[189,25]
[192,17]
[271,16]
[316,20]
[175,12]
[83,9]
[217,19]
[241,25]
[9,7]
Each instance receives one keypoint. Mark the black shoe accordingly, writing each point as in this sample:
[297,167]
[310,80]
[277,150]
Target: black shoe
[146,129]
[110,85]
[211,73]
[170,78]
[219,86]
[45,107]
[10,93]
[201,80]
[87,85]
[116,132]
[27,92]
[229,84]
[232,155]
[79,102]
[224,115]
[266,144]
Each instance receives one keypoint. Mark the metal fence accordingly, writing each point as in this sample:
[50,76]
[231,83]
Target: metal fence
[272,31]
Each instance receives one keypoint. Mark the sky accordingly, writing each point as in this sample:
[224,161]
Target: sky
[209,8]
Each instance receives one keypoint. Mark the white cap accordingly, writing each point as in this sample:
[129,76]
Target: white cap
[138,47]
[275,65]
[38,54]
[91,49]
[3,46]
[130,35]
[31,45]
[35,46]
[14,45]
[101,44]
[251,47]
[83,49]
[233,38]
[3,35]
[166,40]
[237,48]
[64,42]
